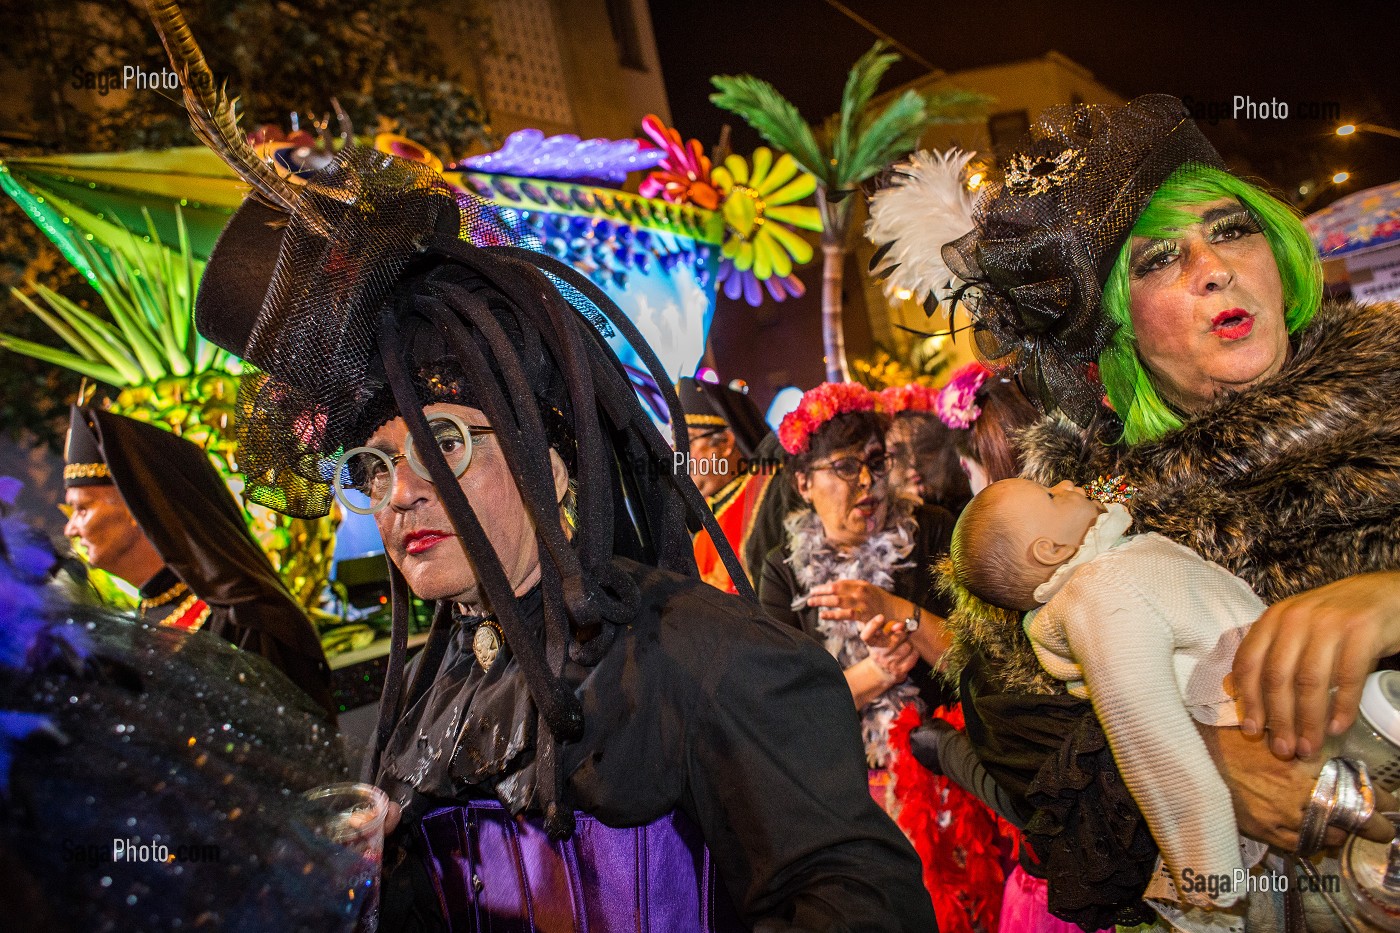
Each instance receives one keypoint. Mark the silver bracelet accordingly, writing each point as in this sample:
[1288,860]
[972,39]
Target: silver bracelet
[1356,798]
[1343,797]
[1319,811]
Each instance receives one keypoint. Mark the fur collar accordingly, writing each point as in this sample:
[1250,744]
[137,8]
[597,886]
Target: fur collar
[1290,484]
[814,561]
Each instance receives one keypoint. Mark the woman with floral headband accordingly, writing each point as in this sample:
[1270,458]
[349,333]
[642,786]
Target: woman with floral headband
[856,575]
[1119,260]
[858,557]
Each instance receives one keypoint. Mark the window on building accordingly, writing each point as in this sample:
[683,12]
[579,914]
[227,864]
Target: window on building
[1007,128]
[626,34]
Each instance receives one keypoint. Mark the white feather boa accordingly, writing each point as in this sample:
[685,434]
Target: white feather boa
[925,207]
[814,561]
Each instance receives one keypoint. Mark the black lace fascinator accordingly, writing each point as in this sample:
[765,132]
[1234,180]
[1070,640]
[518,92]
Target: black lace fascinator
[1045,240]
[375,288]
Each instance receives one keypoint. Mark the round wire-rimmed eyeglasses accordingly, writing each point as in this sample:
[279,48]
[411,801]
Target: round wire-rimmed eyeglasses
[364,476]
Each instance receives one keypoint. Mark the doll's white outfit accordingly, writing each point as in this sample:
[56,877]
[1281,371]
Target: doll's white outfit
[1146,630]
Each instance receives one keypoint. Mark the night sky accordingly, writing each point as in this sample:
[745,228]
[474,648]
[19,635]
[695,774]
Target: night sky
[1294,52]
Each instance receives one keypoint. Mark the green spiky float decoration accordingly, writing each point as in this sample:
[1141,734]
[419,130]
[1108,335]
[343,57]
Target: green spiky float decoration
[146,346]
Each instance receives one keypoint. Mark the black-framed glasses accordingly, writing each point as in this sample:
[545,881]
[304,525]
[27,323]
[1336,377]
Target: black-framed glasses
[364,476]
[850,468]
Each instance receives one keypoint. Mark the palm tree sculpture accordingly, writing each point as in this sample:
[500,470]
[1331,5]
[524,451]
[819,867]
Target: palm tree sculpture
[848,148]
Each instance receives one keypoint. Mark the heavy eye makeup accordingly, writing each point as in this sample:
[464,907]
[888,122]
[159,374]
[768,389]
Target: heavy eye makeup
[1222,225]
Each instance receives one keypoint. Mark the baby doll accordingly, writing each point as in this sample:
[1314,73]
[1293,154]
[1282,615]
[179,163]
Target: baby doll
[1143,628]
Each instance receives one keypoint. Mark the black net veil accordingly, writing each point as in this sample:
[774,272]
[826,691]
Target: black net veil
[359,224]
[392,290]
[1045,240]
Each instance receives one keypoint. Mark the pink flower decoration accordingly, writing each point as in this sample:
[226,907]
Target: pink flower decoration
[956,405]
[817,407]
[910,397]
[684,175]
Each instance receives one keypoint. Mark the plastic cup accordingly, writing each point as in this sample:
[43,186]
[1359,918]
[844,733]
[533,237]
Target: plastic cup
[1369,875]
[352,815]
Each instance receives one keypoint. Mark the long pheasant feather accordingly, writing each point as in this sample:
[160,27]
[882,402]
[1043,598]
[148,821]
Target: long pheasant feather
[212,113]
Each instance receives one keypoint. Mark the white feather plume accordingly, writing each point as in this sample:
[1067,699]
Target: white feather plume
[926,206]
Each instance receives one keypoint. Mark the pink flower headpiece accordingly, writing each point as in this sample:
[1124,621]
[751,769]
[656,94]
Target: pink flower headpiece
[956,405]
[818,406]
[910,397]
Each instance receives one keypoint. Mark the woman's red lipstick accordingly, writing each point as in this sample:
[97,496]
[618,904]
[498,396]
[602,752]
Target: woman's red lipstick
[1233,324]
[416,542]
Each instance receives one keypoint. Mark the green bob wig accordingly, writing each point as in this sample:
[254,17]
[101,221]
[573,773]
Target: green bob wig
[1146,415]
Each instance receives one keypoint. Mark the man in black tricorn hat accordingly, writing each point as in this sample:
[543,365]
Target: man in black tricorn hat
[148,507]
[726,461]
[725,428]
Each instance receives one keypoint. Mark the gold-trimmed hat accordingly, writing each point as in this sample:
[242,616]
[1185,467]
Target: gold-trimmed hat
[710,405]
[83,464]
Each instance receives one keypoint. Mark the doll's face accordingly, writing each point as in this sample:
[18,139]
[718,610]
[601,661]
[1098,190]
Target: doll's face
[1051,521]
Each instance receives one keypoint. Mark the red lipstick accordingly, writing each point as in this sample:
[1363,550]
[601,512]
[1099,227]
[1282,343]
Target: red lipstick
[416,542]
[1234,324]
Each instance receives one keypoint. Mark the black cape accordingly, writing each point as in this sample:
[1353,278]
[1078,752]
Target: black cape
[187,512]
[702,704]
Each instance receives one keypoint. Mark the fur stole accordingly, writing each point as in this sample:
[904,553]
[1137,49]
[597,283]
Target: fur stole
[1290,484]
[814,561]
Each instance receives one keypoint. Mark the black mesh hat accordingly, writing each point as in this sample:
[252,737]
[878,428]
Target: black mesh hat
[376,288]
[1047,238]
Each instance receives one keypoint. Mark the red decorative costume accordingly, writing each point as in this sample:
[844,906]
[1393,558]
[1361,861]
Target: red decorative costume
[963,845]
[735,507]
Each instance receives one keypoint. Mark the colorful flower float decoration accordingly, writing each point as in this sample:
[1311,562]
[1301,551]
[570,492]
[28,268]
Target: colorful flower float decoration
[152,219]
[758,202]
[684,177]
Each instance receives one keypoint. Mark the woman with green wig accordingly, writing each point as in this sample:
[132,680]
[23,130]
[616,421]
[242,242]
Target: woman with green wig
[1169,319]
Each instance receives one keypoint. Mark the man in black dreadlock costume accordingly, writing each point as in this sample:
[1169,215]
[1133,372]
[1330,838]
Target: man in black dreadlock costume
[592,738]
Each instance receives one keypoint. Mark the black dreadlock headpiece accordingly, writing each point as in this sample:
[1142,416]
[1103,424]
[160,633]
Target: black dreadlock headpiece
[366,303]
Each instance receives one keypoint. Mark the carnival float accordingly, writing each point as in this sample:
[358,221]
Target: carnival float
[139,227]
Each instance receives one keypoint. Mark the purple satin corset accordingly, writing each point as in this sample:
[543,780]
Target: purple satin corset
[494,874]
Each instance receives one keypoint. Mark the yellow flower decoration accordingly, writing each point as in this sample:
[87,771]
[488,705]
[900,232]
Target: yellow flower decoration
[759,213]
